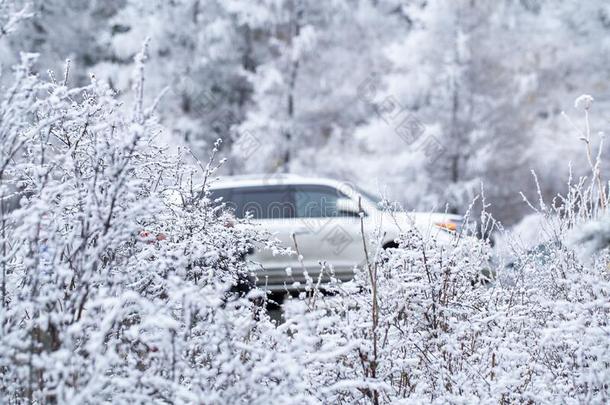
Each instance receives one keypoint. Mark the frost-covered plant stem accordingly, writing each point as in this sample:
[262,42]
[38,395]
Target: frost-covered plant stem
[371,364]
[595,165]
[600,201]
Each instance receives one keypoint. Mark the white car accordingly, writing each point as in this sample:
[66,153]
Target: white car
[324,218]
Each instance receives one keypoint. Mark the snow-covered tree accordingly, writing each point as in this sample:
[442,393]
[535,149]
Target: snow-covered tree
[58,30]
[306,99]
[201,51]
[444,105]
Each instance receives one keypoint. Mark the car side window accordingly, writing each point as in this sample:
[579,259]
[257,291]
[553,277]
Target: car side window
[317,201]
[261,202]
[222,196]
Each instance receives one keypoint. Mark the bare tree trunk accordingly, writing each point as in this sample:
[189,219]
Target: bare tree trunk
[4,258]
[455,135]
[294,71]
[243,93]
[455,106]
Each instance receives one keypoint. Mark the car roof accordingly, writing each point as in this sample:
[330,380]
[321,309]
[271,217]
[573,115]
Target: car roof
[253,180]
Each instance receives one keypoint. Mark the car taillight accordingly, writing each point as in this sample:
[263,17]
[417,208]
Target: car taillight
[450,226]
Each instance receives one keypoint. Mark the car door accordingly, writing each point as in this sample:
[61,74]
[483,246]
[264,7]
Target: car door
[272,208]
[326,233]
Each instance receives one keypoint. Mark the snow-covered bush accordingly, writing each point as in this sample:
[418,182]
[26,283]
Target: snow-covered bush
[114,289]
[405,317]
[420,325]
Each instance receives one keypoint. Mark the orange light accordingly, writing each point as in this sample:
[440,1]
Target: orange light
[450,226]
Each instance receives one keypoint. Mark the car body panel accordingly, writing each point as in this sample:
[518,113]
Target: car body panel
[334,241]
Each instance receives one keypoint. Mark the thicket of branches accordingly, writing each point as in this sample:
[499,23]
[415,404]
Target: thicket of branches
[111,291]
[419,325]
[117,278]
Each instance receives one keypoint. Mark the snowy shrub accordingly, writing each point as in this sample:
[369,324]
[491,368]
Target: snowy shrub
[407,322]
[423,327]
[117,273]
[420,325]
